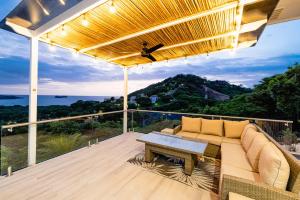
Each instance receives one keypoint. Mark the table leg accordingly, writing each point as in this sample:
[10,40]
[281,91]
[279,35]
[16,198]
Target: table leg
[189,164]
[149,155]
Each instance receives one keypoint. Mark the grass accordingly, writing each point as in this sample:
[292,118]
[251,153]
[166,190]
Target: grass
[14,147]
[50,145]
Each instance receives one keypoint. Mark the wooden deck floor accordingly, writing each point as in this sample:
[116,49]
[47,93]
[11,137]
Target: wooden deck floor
[99,172]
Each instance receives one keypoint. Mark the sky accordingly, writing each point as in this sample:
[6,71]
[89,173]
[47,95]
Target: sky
[62,73]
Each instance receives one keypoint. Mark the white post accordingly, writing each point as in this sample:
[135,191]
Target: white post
[33,82]
[125,99]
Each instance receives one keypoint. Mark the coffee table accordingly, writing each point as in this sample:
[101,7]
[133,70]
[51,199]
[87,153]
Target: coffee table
[173,145]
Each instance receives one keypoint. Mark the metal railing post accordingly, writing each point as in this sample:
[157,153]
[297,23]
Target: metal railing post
[125,101]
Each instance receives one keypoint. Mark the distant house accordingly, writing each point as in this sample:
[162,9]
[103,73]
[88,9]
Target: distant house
[132,99]
[154,98]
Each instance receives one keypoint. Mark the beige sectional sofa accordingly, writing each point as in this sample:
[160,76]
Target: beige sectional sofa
[252,163]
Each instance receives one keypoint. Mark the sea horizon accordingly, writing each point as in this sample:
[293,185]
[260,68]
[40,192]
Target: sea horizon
[48,100]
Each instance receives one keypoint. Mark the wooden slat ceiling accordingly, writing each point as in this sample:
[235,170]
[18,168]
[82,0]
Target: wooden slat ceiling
[211,32]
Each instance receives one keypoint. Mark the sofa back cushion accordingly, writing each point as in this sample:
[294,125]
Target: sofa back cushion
[273,168]
[191,124]
[255,149]
[248,126]
[248,138]
[212,127]
[234,129]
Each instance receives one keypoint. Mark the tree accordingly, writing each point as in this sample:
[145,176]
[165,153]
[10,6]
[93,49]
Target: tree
[144,102]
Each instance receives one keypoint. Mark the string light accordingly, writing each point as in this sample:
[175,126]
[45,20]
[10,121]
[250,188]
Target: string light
[84,21]
[112,7]
[167,63]
[47,38]
[95,60]
[52,48]
[63,31]
[186,60]
[207,56]
[75,53]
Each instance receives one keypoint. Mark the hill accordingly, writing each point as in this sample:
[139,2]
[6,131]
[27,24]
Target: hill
[183,92]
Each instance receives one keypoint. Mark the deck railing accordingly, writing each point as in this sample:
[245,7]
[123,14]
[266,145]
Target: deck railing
[56,137]
[145,120]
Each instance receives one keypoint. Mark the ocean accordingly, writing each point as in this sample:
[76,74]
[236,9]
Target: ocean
[47,100]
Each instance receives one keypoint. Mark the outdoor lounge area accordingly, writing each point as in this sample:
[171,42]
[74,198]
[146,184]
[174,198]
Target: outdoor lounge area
[146,154]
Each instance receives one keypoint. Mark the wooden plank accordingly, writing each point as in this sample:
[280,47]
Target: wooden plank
[98,172]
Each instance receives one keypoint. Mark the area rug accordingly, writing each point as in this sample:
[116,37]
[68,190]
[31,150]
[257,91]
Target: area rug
[205,175]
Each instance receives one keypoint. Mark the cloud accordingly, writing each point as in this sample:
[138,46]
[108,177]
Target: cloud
[95,88]
[62,72]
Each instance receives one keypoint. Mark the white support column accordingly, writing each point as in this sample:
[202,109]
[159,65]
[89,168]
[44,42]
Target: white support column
[33,82]
[125,99]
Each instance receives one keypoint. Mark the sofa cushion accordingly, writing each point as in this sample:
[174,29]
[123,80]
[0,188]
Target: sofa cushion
[248,126]
[234,129]
[231,140]
[248,138]
[234,155]
[212,139]
[212,127]
[191,124]
[273,167]
[255,149]
[188,134]
[240,173]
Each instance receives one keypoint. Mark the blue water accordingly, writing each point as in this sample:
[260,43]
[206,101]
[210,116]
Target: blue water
[44,100]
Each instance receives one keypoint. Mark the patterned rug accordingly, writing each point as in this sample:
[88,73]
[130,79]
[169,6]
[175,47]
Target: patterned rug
[205,175]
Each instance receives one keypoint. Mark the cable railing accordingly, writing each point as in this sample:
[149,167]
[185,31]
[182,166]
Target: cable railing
[56,137]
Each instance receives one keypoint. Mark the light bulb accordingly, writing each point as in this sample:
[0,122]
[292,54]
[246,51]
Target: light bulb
[63,31]
[186,61]
[84,21]
[95,60]
[112,8]
[167,63]
[75,53]
[47,38]
[207,56]
[52,48]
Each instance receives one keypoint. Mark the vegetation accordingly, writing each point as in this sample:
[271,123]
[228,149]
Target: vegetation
[289,137]
[61,144]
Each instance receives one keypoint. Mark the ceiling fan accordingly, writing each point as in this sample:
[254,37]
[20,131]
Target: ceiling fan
[146,52]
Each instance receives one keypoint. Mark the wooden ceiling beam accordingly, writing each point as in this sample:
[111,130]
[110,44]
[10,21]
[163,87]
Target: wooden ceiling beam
[239,16]
[253,26]
[177,45]
[243,29]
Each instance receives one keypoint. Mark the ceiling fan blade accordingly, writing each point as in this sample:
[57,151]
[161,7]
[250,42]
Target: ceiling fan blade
[151,57]
[155,48]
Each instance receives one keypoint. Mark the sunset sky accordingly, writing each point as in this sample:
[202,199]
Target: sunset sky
[61,73]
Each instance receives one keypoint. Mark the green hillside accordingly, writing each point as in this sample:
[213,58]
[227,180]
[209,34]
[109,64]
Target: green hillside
[186,93]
